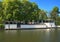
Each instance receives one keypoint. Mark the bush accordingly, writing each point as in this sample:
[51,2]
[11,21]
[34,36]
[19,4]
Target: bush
[1,26]
[57,22]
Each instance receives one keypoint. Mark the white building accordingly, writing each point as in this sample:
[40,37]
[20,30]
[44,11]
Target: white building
[41,24]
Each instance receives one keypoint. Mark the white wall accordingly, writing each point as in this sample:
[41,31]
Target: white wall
[33,26]
[10,26]
[50,24]
[6,26]
[58,26]
[13,26]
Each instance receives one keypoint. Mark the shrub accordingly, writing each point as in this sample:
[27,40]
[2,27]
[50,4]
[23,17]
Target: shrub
[1,26]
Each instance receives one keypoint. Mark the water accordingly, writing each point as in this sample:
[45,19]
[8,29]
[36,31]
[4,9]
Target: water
[37,35]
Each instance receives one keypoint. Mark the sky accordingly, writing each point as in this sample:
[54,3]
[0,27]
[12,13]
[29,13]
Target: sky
[47,4]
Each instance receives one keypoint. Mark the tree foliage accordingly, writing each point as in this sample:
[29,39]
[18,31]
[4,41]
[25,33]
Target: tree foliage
[55,14]
[11,10]
[21,10]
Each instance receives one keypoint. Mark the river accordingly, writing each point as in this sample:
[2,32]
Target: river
[36,35]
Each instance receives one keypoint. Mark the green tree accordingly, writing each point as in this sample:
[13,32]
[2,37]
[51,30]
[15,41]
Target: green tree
[54,13]
[42,15]
[22,10]
[1,13]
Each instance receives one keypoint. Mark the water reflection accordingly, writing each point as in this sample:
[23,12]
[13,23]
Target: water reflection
[10,31]
[38,35]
